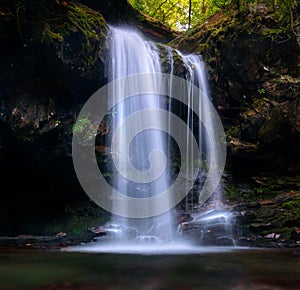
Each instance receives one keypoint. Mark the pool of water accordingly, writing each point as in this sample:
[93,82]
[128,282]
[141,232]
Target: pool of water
[213,269]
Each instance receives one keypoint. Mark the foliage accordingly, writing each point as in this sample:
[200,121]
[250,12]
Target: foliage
[79,215]
[183,14]
[71,225]
[261,91]
[266,188]
[231,192]
[290,215]
[291,204]
[175,13]
[85,129]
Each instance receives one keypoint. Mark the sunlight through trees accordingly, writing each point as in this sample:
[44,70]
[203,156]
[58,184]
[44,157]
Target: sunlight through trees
[183,14]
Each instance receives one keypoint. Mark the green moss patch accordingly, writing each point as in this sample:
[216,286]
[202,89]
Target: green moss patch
[76,32]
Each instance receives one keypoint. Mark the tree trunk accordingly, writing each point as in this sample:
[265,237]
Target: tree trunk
[190,13]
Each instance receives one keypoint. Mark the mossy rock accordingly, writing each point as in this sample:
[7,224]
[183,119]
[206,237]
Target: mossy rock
[280,217]
[76,32]
[166,54]
[53,55]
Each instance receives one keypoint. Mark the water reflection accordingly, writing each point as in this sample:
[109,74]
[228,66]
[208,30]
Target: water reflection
[233,269]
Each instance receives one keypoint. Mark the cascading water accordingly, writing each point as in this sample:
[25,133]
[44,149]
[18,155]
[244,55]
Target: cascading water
[144,158]
[130,54]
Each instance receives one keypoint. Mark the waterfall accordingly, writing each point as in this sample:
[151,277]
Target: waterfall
[197,76]
[165,143]
[130,54]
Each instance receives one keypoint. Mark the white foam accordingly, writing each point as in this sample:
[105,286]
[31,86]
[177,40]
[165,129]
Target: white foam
[149,249]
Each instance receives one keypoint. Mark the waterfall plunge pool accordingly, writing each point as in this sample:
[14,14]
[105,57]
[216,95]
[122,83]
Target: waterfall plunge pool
[227,268]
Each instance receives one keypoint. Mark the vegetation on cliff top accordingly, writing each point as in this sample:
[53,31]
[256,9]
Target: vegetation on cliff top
[184,14]
[257,19]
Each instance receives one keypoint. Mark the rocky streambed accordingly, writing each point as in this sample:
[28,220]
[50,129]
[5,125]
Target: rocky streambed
[269,223]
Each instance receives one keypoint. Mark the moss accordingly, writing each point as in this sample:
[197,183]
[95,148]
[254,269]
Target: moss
[278,210]
[284,232]
[289,217]
[224,26]
[281,183]
[269,220]
[71,225]
[270,188]
[179,68]
[79,217]
[201,37]
[84,25]
[231,192]
[262,192]
[234,131]
[76,32]
[291,205]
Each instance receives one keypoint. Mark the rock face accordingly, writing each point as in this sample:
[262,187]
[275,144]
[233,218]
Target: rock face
[52,60]
[119,12]
[274,223]
[253,66]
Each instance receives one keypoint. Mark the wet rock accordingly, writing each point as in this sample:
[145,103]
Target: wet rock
[255,84]
[97,230]
[272,236]
[283,197]
[269,225]
[118,232]
[210,228]
[31,241]
[61,234]
[246,206]
[183,218]
[260,226]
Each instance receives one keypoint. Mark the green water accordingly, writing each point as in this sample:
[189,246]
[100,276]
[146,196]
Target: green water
[240,269]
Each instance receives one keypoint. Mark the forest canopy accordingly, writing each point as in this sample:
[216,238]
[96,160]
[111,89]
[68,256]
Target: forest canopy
[184,14]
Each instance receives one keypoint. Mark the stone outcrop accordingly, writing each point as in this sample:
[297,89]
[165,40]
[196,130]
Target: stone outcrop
[253,66]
